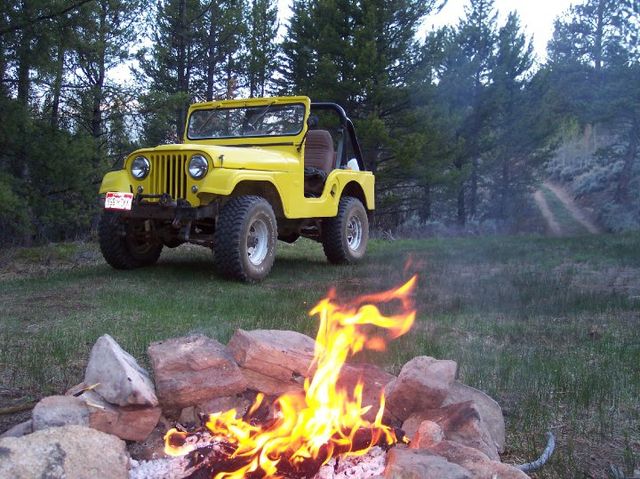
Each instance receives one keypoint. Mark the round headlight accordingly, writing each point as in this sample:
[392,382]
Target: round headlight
[198,167]
[140,167]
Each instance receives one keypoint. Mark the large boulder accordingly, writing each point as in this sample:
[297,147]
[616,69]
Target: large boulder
[68,452]
[121,380]
[190,370]
[283,355]
[423,383]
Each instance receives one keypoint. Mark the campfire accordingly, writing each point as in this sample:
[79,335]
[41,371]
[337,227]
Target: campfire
[270,404]
[300,432]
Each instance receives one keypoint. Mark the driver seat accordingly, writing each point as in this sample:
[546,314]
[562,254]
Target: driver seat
[319,158]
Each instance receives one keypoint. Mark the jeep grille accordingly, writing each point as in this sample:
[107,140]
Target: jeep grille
[168,175]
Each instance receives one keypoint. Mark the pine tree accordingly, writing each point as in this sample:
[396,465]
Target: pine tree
[262,49]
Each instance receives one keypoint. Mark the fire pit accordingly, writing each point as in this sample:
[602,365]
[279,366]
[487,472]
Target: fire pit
[275,404]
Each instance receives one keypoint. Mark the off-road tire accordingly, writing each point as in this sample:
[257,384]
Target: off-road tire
[120,250]
[345,237]
[244,243]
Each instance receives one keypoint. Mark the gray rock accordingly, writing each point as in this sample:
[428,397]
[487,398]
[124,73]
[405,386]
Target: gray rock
[19,430]
[489,410]
[68,452]
[461,423]
[418,464]
[283,355]
[121,380]
[193,369]
[56,411]
[423,383]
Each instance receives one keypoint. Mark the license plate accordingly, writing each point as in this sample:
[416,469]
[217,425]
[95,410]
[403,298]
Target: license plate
[118,201]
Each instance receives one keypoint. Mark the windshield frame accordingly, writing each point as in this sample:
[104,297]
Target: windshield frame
[266,107]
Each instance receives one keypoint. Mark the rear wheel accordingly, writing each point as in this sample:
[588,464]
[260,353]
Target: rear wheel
[245,239]
[345,237]
[125,245]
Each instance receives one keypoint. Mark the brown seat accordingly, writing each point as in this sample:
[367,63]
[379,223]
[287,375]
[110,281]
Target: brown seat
[318,150]
[319,159]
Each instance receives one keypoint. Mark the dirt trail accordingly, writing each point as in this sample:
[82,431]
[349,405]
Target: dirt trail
[569,204]
[578,214]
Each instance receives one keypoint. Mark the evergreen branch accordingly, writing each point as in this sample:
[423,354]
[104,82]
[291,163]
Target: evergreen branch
[43,18]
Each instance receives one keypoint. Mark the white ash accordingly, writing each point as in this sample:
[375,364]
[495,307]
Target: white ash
[357,467]
[166,468]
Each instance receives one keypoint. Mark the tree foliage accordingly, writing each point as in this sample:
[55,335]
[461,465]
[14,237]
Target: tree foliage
[458,125]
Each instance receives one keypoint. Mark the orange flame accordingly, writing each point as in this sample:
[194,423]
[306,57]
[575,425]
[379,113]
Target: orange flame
[325,420]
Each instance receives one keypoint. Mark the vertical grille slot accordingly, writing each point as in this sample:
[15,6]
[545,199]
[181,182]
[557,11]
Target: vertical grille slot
[168,175]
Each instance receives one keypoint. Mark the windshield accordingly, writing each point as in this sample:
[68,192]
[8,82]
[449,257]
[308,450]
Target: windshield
[250,121]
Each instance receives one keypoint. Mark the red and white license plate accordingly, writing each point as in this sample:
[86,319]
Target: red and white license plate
[118,201]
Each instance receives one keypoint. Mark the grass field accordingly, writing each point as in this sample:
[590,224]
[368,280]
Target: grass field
[549,327]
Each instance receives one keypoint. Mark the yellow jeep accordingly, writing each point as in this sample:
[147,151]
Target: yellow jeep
[249,172]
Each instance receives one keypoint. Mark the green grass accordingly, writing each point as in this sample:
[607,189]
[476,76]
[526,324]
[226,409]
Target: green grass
[549,327]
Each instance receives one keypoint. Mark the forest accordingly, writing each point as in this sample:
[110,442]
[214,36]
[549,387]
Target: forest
[460,124]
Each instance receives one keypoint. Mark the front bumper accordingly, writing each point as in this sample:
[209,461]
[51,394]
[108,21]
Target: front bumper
[166,208]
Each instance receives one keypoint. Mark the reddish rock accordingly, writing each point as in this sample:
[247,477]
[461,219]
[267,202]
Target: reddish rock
[475,461]
[374,380]
[132,423]
[56,411]
[423,383]
[418,464]
[461,423]
[69,452]
[283,355]
[120,378]
[193,369]
[429,434]
[489,410]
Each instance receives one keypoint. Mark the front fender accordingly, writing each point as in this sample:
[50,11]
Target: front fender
[115,181]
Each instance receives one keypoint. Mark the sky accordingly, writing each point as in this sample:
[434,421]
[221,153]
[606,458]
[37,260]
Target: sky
[536,17]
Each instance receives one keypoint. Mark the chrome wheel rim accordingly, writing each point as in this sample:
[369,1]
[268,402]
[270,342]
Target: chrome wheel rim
[257,242]
[354,233]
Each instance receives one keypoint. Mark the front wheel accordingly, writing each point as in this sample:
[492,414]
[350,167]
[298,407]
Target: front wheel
[244,243]
[125,245]
[345,237]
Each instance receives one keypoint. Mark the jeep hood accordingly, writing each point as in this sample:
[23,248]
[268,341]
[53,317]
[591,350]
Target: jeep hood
[236,157]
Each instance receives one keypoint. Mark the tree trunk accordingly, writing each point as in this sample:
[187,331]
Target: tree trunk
[57,85]
[98,87]
[462,214]
[211,59]
[181,32]
[473,193]
[504,190]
